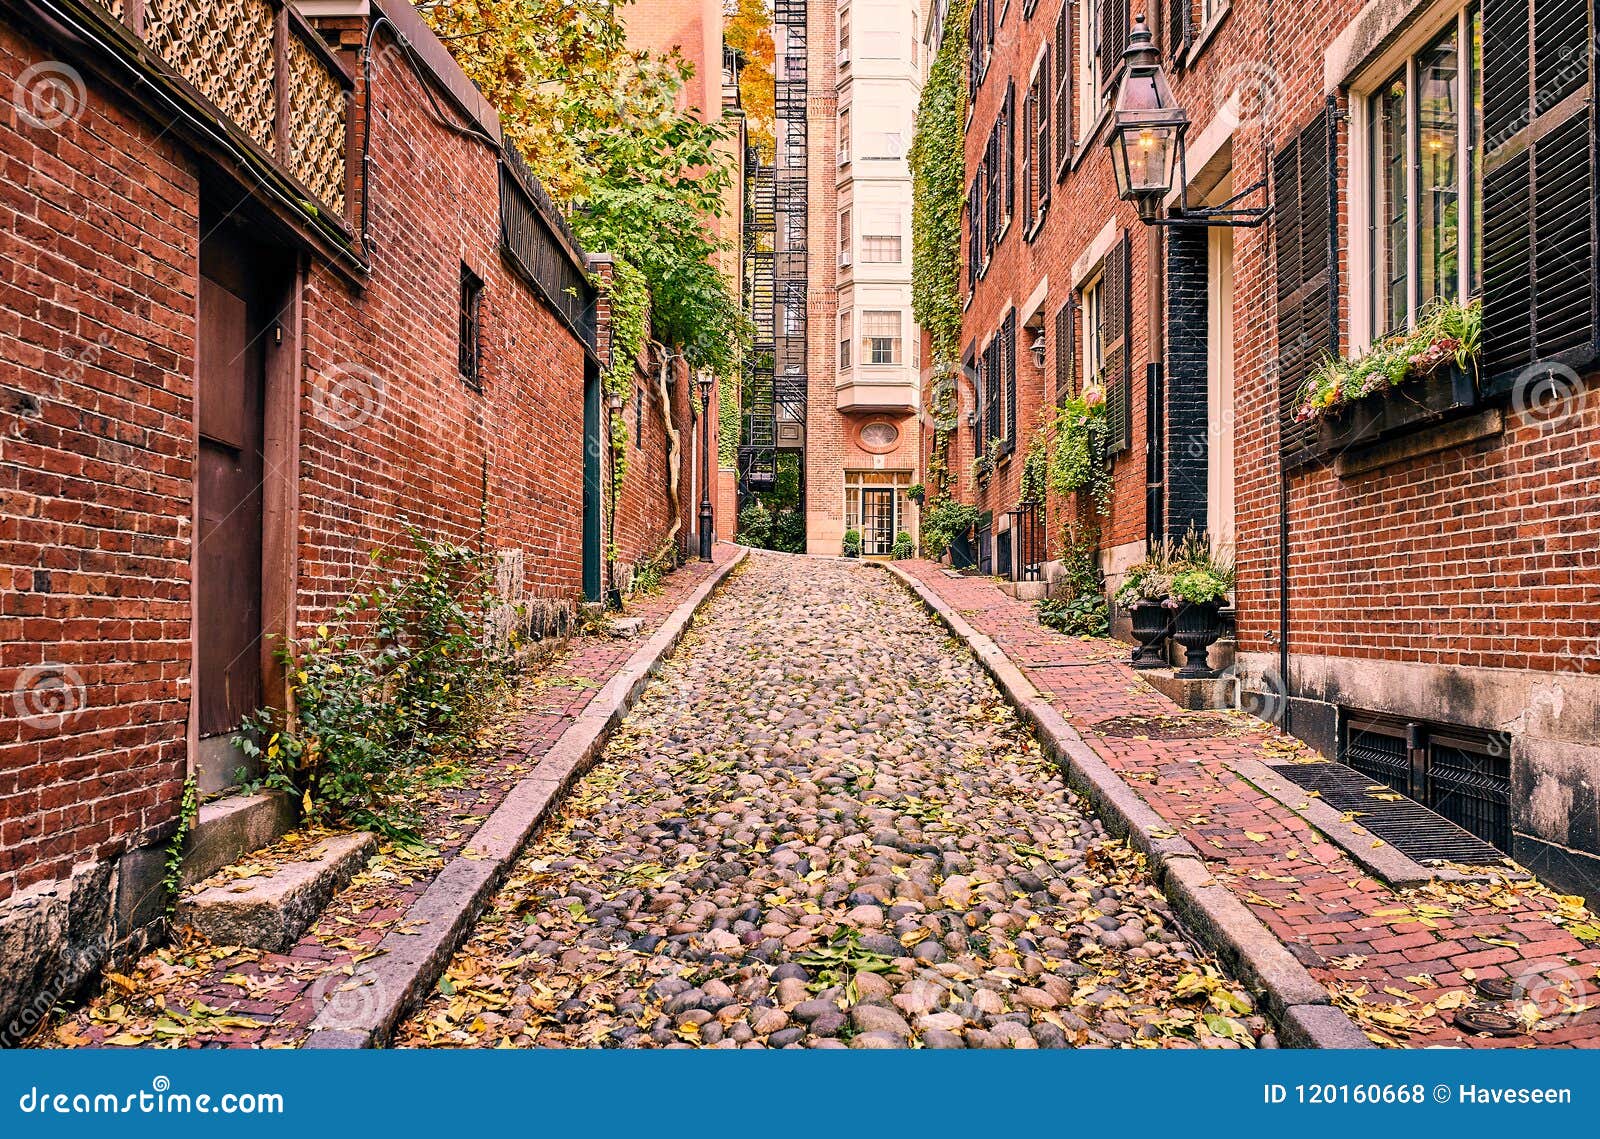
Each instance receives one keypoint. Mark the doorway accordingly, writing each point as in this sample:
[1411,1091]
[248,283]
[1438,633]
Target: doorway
[877,520]
[243,308]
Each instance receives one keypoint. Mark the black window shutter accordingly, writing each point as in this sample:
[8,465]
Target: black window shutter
[992,364]
[1008,141]
[1066,349]
[1179,28]
[1063,88]
[1116,318]
[1305,190]
[1041,132]
[1008,351]
[1113,38]
[979,411]
[1029,182]
[974,229]
[1541,301]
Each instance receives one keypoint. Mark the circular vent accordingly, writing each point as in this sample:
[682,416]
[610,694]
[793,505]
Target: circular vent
[880,436]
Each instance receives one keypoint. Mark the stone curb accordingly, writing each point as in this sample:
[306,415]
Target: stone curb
[413,956]
[1299,1004]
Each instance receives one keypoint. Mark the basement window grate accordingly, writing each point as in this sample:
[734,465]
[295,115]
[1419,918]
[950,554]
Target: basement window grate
[1403,823]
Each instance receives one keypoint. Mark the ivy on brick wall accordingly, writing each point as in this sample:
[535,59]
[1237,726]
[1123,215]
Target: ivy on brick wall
[630,325]
[937,186]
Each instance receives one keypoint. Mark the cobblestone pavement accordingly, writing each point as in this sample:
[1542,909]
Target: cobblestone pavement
[1400,962]
[194,994]
[821,826]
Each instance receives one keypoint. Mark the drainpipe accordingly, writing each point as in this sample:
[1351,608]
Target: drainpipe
[1155,444]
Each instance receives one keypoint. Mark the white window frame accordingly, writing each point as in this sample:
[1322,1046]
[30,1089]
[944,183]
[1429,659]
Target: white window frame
[897,342]
[1091,358]
[1092,99]
[844,136]
[846,336]
[1364,297]
[867,257]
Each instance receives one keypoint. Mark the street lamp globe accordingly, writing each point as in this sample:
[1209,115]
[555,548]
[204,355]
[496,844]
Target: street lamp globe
[1146,127]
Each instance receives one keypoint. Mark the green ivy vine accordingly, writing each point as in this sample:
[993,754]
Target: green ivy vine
[1079,460]
[630,325]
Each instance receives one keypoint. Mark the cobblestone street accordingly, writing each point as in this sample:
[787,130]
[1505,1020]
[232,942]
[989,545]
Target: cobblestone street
[822,826]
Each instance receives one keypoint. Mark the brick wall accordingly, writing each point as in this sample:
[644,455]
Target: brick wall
[99,233]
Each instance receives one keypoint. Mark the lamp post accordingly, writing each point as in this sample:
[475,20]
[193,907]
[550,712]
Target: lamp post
[1147,145]
[706,380]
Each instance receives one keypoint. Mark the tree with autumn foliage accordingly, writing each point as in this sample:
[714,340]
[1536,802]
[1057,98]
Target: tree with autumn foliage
[747,28]
[600,124]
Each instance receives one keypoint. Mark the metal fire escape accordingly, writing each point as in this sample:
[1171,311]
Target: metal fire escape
[775,269]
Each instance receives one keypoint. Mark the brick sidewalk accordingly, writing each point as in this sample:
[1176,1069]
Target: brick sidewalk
[195,995]
[1396,960]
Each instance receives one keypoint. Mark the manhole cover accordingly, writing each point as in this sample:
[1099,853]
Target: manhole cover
[1403,823]
[1496,988]
[1485,1020]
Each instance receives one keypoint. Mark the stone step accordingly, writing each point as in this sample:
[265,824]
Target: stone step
[271,911]
[229,828]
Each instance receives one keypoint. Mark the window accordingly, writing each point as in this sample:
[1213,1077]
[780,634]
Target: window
[883,146]
[469,356]
[974,231]
[1094,342]
[844,340]
[980,41]
[844,136]
[844,37]
[880,337]
[880,248]
[844,238]
[998,161]
[1426,178]
[1091,75]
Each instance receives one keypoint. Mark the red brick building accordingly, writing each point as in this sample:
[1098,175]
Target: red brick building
[273,297]
[1419,596]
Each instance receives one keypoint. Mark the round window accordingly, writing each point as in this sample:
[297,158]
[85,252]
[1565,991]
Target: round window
[879,436]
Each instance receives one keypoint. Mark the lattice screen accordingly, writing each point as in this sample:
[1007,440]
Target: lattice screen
[316,126]
[225,51]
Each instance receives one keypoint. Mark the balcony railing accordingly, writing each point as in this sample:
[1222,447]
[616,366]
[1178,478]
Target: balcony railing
[267,72]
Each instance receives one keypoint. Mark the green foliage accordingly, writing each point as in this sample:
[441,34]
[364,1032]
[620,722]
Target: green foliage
[903,547]
[400,676]
[602,127]
[783,530]
[630,326]
[937,187]
[188,812]
[1078,607]
[1447,332]
[1078,461]
[852,543]
[1036,468]
[1172,573]
[916,490]
[728,421]
[943,522]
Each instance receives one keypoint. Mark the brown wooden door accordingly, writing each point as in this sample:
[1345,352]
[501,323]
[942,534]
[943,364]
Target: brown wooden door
[227,563]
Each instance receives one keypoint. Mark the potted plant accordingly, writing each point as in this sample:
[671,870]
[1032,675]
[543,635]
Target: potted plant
[852,543]
[903,547]
[1419,376]
[1145,593]
[916,493]
[1200,587]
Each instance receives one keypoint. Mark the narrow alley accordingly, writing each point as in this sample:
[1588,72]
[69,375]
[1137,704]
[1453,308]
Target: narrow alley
[822,826]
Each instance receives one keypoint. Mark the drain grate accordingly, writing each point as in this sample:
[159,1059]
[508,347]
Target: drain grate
[1403,823]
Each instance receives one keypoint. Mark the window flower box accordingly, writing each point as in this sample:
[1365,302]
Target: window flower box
[1396,410]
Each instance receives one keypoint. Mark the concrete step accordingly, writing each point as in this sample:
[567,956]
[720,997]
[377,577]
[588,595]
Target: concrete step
[229,828]
[1026,590]
[271,911]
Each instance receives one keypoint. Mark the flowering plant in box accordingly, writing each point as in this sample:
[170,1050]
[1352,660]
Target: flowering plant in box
[1447,332]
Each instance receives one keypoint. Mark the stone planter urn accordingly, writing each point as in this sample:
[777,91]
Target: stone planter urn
[1152,622]
[1197,628]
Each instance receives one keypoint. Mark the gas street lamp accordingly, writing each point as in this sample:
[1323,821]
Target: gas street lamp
[1147,145]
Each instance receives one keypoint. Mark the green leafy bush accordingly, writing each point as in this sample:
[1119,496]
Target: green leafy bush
[755,526]
[401,675]
[943,522]
[1079,461]
[903,547]
[1078,607]
[852,543]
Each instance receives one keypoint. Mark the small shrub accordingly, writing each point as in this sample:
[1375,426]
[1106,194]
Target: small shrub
[755,526]
[852,543]
[903,547]
[1079,606]
[402,674]
[946,520]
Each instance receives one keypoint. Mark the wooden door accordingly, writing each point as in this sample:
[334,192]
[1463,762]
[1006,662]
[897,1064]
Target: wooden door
[227,560]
